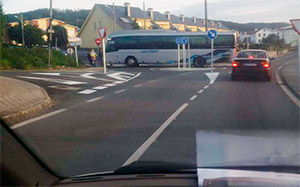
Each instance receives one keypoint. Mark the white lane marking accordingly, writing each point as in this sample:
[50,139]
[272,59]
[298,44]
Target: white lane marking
[284,88]
[120,91]
[152,81]
[53,74]
[138,85]
[88,76]
[118,82]
[200,91]
[99,88]
[140,151]
[18,125]
[212,77]
[53,80]
[109,85]
[87,91]
[95,99]
[134,76]
[121,75]
[205,87]
[193,98]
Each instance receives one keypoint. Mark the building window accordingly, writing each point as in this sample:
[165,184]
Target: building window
[95,26]
[264,34]
[259,35]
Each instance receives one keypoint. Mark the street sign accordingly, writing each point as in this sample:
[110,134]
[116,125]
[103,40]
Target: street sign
[51,31]
[212,34]
[181,40]
[296,25]
[70,51]
[75,41]
[102,32]
[98,41]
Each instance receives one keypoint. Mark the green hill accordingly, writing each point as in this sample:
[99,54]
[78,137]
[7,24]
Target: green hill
[77,18]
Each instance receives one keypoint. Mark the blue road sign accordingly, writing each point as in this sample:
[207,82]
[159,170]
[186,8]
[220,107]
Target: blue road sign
[182,40]
[178,40]
[212,34]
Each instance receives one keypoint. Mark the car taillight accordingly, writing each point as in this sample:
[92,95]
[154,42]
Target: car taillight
[265,64]
[235,64]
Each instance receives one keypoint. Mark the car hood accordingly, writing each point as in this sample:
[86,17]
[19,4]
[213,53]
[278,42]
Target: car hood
[252,148]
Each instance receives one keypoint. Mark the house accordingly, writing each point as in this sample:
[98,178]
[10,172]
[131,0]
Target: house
[256,36]
[289,35]
[44,23]
[116,18]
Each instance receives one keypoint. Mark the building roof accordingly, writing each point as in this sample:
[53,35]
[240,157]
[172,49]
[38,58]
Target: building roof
[119,15]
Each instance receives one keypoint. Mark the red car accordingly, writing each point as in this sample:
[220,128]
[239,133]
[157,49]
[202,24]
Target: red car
[252,63]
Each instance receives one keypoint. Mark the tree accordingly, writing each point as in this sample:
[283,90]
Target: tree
[2,25]
[32,34]
[274,41]
[61,35]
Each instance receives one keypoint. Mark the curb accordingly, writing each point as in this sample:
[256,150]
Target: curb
[14,117]
[285,86]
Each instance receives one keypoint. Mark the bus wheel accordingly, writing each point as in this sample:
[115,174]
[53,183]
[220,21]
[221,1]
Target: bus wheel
[199,62]
[131,61]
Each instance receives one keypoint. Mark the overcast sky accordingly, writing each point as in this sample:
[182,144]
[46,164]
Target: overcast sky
[242,11]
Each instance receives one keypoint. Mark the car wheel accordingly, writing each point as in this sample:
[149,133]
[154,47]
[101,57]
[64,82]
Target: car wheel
[199,62]
[233,77]
[131,61]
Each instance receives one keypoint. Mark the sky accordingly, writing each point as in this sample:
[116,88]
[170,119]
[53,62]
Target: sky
[242,11]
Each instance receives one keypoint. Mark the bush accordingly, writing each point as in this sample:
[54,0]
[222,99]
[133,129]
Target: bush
[37,58]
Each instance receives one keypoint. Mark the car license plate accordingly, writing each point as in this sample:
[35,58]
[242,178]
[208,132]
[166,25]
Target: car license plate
[250,64]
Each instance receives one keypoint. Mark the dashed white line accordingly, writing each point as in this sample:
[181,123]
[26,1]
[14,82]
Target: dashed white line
[95,99]
[99,88]
[87,91]
[140,151]
[138,85]
[109,85]
[152,81]
[18,125]
[200,91]
[193,97]
[205,87]
[120,91]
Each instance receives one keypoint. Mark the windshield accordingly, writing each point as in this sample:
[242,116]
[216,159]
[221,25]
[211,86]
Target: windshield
[92,86]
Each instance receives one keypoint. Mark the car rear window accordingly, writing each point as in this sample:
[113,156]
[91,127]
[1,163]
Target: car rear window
[254,54]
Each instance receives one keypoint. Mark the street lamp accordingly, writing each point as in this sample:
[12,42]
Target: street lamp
[205,9]
[22,24]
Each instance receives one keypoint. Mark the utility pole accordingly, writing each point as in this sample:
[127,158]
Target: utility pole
[22,27]
[205,8]
[144,15]
[114,26]
[50,31]
[23,37]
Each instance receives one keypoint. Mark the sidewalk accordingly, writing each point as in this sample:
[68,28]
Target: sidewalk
[19,98]
[290,74]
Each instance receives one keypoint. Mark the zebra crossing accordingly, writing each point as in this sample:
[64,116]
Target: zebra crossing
[80,81]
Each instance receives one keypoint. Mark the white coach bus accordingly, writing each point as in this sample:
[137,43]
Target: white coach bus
[136,47]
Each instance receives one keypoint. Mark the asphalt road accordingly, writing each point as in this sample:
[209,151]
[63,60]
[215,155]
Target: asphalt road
[153,116]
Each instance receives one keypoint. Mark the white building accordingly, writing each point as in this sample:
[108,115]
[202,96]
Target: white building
[289,35]
[256,36]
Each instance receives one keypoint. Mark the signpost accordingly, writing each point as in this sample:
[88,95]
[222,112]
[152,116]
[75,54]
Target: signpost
[102,34]
[212,34]
[296,27]
[183,41]
[75,41]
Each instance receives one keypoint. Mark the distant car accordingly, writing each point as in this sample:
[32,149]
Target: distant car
[254,63]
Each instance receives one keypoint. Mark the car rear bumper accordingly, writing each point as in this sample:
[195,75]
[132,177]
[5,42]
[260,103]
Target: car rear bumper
[251,72]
